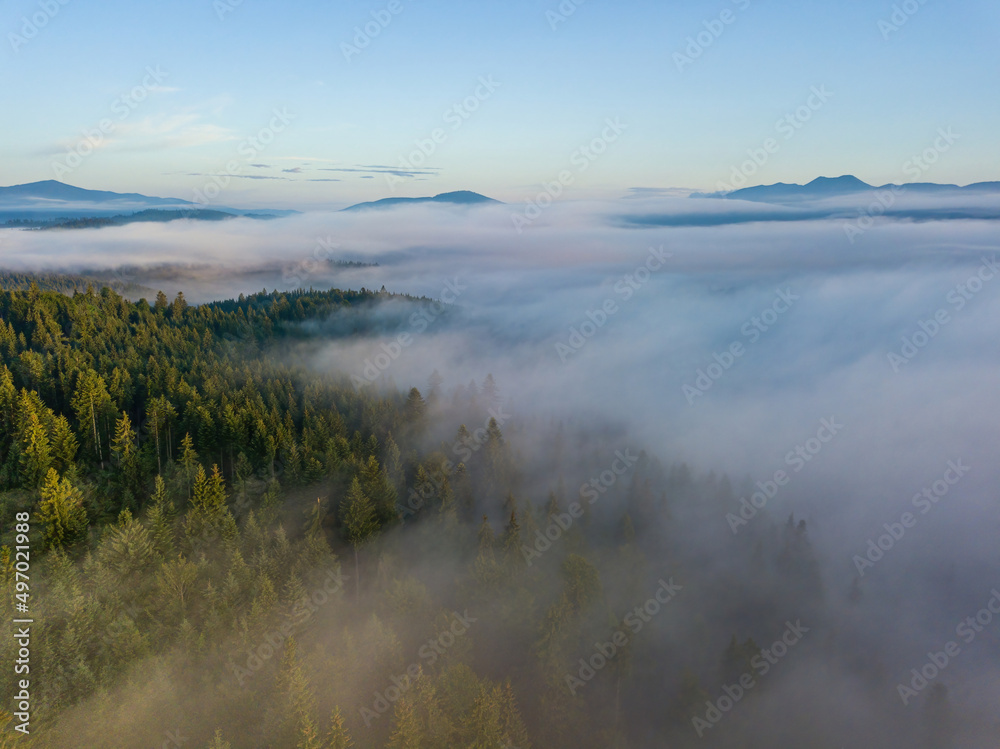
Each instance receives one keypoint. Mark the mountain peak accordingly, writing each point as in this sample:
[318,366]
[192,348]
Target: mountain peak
[458,197]
[845,181]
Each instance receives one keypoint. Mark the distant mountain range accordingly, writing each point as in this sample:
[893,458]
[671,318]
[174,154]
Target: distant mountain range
[461,197]
[55,205]
[150,215]
[834,187]
[50,200]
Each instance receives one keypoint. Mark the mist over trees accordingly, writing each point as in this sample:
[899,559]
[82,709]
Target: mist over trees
[236,549]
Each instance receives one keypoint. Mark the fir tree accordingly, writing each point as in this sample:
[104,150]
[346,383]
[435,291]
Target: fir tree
[61,513]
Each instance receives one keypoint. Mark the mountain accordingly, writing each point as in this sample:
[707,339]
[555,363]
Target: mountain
[155,215]
[833,187]
[51,189]
[50,199]
[461,197]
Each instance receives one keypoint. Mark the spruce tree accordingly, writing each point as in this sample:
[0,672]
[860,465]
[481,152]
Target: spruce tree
[360,522]
[60,513]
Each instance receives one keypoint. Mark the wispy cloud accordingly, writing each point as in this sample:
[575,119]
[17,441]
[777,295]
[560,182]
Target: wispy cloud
[237,176]
[378,169]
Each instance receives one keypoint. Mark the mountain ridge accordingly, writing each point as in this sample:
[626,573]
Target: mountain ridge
[846,184]
[51,199]
[457,197]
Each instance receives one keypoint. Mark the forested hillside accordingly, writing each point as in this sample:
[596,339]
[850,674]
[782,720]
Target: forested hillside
[232,548]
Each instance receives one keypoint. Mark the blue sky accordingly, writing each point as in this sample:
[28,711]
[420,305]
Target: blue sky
[219,81]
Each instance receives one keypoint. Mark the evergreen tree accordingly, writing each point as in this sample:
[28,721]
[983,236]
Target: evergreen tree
[61,513]
[337,737]
[209,518]
[407,733]
[299,699]
[36,452]
[189,462]
[91,404]
[360,522]
[416,408]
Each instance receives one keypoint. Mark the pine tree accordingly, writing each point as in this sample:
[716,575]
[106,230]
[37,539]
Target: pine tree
[486,568]
[448,511]
[189,462]
[209,518]
[415,408]
[299,698]
[497,468]
[91,403]
[61,513]
[379,489]
[36,452]
[408,733]
[161,518]
[337,737]
[178,306]
[176,580]
[513,556]
[128,546]
[360,522]
[123,449]
[393,464]
[159,412]
[64,446]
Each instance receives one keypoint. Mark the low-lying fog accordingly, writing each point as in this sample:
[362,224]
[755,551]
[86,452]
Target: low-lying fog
[729,347]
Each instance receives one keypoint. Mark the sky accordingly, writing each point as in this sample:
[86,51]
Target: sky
[304,108]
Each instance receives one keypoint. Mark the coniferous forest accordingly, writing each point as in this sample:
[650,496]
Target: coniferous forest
[231,549]
[499,375]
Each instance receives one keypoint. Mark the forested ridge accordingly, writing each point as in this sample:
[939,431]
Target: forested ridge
[233,547]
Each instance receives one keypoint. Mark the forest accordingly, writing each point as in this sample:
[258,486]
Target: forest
[232,548]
